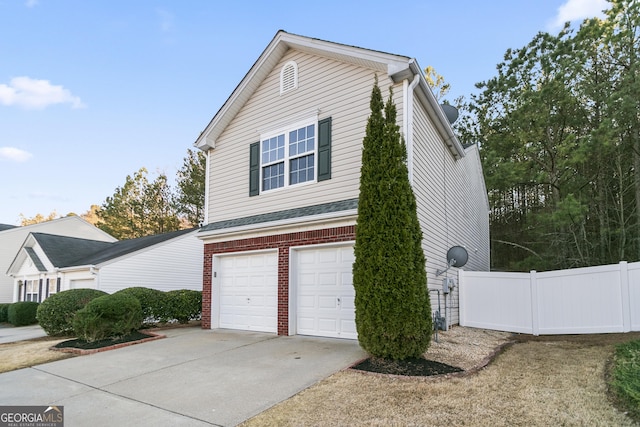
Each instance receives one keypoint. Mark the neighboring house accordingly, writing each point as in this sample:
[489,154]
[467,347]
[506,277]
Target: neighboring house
[283,168]
[47,263]
[11,238]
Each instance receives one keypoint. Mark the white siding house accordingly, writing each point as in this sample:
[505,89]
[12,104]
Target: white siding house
[283,170]
[47,264]
[11,238]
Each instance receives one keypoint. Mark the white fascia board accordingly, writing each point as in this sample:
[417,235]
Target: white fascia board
[88,267]
[281,225]
[246,87]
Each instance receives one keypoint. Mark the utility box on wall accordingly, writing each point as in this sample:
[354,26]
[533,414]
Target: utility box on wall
[448,283]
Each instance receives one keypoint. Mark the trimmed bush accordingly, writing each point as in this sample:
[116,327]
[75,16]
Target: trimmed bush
[56,313]
[108,316]
[184,305]
[4,313]
[22,313]
[152,301]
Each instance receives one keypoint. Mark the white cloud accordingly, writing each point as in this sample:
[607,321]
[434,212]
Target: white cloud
[13,154]
[31,3]
[578,10]
[31,93]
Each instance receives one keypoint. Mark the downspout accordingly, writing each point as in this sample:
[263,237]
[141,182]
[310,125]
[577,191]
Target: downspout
[407,120]
[206,189]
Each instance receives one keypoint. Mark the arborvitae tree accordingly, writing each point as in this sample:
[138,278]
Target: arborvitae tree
[393,312]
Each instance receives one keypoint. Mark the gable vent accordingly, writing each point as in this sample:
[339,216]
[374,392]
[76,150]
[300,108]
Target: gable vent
[288,77]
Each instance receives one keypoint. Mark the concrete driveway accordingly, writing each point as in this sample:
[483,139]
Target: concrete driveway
[193,377]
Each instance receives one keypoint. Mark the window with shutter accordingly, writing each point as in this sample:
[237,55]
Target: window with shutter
[291,156]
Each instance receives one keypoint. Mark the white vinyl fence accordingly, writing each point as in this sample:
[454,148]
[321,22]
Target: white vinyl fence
[576,301]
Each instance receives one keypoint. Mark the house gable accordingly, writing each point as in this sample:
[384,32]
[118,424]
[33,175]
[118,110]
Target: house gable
[332,82]
[334,97]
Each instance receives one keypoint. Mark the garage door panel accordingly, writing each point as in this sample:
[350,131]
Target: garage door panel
[327,326]
[327,279]
[325,294]
[349,327]
[327,302]
[248,292]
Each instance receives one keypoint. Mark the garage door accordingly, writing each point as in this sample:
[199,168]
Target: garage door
[325,295]
[248,291]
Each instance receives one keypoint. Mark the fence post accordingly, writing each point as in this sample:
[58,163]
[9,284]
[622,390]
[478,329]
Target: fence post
[461,299]
[534,304]
[625,297]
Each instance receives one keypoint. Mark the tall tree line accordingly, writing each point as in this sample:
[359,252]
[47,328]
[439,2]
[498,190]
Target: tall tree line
[559,132]
[141,207]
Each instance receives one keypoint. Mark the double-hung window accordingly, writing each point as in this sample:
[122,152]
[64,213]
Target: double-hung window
[33,288]
[289,156]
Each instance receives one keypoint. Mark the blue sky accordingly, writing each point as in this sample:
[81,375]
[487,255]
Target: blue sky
[91,91]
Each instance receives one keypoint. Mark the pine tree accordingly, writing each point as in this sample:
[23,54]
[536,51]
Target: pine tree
[393,312]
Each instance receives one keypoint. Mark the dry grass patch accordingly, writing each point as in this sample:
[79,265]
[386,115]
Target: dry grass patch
[532,383]
[24,354]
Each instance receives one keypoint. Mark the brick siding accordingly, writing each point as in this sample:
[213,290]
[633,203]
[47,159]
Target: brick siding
[282,242]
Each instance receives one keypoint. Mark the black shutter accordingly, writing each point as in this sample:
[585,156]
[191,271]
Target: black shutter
[324,149]
[58,280]
[254,169]
[40,291]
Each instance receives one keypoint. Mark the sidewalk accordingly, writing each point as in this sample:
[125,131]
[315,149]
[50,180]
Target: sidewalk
[10,333]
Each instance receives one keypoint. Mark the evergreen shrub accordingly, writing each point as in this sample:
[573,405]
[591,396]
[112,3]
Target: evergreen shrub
[4,314]
[108,316]
[153,302]
[184,305]
[22,313]
[393,311]
[56,313]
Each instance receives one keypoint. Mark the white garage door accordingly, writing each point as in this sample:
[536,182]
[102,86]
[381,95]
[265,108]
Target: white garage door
[248,291]
[325,295]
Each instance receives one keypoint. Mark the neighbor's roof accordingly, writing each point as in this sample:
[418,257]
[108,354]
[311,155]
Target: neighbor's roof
[36,260]
[398,67]
[6,227]
[65,251]
[124,247]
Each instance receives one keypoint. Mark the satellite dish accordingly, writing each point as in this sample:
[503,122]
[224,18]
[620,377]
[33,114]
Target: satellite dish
[457,256]
[450,111]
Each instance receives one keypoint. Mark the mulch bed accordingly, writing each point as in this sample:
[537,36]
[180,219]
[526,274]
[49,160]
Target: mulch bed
[419,367]
[83,347]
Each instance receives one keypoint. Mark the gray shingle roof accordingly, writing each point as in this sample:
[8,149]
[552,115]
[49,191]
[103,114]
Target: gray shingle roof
[62,251]
[324,208]
[36,260]
[6,227]
[124,247]
[65,251]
